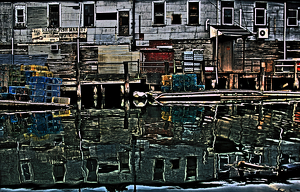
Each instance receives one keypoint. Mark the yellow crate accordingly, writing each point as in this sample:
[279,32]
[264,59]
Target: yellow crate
[66,113]
[61,100]
[48,73]
[44,68]
[167,83]
[166,77]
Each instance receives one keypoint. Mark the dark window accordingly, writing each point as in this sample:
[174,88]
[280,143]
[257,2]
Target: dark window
[158,169]
[159,13]
[227,16]
[193,13]
[175,163]
[106,16]
[191,166]
[260,5]
[260,14]
[54,16]
[59,172]
[124,23]
[227,12]
[292,17]
[176,19]
[89,15]
[20,15]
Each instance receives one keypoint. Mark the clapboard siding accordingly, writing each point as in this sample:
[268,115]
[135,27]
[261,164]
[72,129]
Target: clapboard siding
[37,17]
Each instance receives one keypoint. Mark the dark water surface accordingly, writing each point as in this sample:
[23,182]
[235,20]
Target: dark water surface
[206,147]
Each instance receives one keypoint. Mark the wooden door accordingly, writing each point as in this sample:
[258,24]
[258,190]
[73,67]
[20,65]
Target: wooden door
[225,55]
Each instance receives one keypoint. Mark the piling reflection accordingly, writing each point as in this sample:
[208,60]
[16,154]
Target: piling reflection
[151,145]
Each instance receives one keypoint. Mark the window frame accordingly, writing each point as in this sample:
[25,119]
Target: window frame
[255,16]
[188,12]
[129,19]
[288,18]
[153,13]
[48,14]
[23,8]
[83,15]
[223,15]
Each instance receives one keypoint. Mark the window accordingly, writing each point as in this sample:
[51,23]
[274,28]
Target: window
[227,16]
[292,17]
[227,12]
[54,15]
[88,15]
[260,14]
[124,23]
[193,13]
[176,19]
[20,16]
[158,10]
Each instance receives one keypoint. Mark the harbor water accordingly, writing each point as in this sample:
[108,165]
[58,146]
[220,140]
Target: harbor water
[137,145]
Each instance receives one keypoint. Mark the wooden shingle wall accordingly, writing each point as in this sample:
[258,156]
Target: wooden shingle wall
[6,20]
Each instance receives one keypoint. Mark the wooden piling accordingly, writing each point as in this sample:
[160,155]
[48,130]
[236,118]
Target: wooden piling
[126,77]
[166,68]
[262,76]
[231,81]
[102,96]
[296,81]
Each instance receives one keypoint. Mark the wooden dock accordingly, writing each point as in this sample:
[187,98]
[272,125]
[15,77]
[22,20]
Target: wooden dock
[217,96]
[11,104]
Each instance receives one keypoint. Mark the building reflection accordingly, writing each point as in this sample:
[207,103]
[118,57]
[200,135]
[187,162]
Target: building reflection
[168,145]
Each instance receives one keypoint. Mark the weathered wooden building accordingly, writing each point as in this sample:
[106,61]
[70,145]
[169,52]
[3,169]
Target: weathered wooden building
[232,44]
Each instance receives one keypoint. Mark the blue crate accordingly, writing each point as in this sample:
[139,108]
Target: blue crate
[57,81]
[37,92]
[5,96]
[166,89]
[52,94]
[38,79]
[50,80]
[53,87]
[37,85]
[37,99]
[200,87]
[48,99]
[15,89]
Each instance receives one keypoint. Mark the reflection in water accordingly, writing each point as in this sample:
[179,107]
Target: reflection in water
[153,145]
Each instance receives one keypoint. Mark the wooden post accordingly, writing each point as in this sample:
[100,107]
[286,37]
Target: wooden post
[296,81]
[102,96]
[262,76]
[95,96]
[231,81]
[126,77]
[236,81]
[166,68]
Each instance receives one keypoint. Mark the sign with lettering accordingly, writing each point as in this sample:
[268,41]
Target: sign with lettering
[57,34]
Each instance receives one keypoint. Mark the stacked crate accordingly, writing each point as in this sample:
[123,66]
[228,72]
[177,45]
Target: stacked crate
[188,57]
[16,76]
[4,75]
[44,88]
[19,93]
[180,83]
[166,83]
